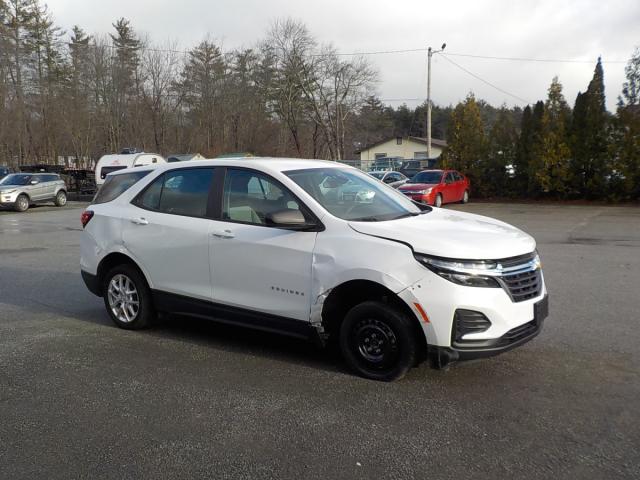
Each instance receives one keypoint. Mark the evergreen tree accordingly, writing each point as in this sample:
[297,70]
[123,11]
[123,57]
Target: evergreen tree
[551,150]
[590,138]
[467,143]
[523,153]
[202,82]
[500,155]
[536,161]
[625,156]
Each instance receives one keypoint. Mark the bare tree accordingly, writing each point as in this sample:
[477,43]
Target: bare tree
[335,89]
[287,49]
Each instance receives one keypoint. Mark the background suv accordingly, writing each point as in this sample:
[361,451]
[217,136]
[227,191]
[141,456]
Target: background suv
[315,250]
[19,190]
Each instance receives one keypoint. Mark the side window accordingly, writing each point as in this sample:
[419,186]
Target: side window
[184,192]
[39,178]
[150,198]
[457,176]
[449,178]
[250,197]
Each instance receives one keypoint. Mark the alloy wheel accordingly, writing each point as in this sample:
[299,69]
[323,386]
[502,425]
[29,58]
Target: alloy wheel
[123,297]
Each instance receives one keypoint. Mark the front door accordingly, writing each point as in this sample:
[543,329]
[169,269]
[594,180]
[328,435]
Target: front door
[449,192]
[254,264]
[166,230]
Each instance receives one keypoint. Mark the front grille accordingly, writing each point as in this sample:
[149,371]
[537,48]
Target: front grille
[523,286]
[516,334]
[469,321]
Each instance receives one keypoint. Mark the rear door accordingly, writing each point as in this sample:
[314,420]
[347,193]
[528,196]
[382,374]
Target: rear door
[257,265]
[37,191]
[49,187]
[460,185]
[166,230]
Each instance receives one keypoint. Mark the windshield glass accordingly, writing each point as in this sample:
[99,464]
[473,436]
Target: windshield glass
[16,179]
[352,195]
[426,177]
[377,175]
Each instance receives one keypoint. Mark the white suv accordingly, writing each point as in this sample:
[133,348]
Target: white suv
[316,250]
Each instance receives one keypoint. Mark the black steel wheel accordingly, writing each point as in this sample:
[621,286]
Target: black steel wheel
[378,341]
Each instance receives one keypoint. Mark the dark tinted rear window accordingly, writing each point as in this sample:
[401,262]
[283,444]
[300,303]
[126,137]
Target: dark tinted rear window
[116,185]
[107,170]
[179,192]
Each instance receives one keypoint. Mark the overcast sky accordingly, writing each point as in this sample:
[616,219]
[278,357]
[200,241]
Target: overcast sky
[565,30]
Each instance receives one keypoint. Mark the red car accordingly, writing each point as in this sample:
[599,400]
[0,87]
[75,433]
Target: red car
[437,187]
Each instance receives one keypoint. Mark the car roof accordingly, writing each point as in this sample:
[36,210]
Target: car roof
[267,164]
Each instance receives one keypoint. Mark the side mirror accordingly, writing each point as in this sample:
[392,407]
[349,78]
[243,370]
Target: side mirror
[291,219]
[33,182]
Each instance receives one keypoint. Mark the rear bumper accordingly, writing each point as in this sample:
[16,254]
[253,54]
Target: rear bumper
[92,283]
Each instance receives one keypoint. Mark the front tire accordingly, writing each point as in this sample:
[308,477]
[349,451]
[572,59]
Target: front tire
[61,199]
[22,203]
[438,202]
[128,298]
[378,341]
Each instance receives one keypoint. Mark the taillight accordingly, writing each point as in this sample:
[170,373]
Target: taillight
[85,217]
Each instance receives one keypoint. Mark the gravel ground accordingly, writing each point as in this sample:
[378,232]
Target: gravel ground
[80,398]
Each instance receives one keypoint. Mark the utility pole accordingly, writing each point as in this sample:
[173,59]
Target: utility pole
[430,53]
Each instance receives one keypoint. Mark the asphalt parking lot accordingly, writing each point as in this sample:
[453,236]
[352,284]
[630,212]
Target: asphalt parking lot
[80,398]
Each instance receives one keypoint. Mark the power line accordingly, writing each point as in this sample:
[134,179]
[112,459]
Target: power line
[483,80]
[377,52]
[522,59]
[484,57]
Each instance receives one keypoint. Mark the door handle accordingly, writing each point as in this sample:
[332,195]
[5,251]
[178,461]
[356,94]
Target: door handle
[140,221]
[222,234]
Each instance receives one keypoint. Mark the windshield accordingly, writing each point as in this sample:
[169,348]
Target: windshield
[377,175]
[352,195]
[426,177]
[16,179]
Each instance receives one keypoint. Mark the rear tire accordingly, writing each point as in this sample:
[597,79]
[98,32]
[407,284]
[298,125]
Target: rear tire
[438,202]
[378,341]
[61,199]
[127,298]
[22,203]
[465,197]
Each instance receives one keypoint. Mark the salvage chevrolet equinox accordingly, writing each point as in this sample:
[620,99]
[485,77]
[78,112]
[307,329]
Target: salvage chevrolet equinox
[316,250]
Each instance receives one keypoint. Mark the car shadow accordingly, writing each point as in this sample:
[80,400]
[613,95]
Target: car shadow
[59,294]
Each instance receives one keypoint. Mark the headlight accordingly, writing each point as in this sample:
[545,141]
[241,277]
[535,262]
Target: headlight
[466,273]
[423,192]
[7,192]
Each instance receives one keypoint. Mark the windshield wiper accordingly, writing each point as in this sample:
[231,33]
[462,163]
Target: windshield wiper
[366,219]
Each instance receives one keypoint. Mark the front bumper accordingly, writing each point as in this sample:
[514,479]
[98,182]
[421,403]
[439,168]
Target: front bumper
[509,322]
[426,198]
[470,349]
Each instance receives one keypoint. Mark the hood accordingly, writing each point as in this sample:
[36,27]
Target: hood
[450,234]
[417,186]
